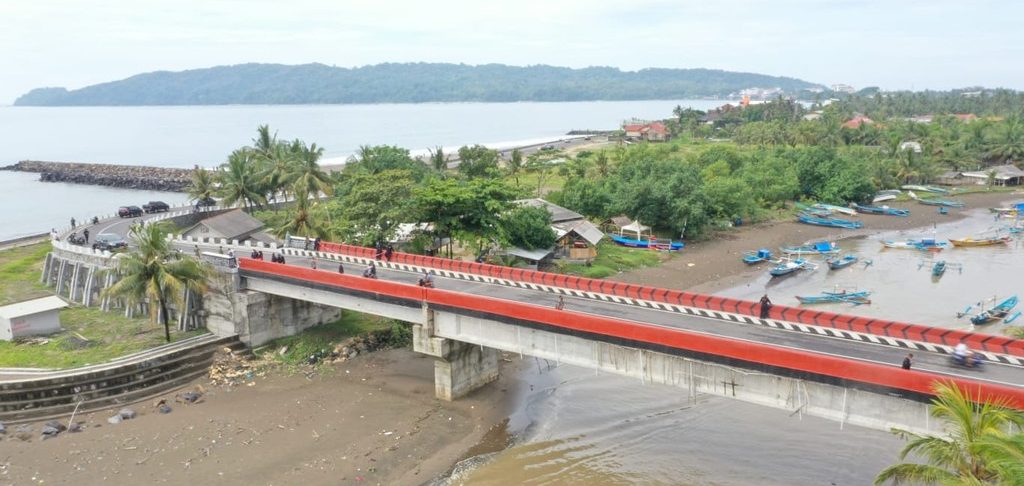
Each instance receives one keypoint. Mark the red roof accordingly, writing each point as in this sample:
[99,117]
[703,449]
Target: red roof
[657,127]
[857,121]
[633,128]
[966,116]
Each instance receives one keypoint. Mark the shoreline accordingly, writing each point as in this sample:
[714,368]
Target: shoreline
[715,264]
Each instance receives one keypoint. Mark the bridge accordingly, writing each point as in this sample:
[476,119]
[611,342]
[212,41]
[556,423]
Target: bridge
[840,367]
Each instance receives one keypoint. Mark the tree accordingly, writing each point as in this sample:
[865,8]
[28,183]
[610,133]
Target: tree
[280,169]
[239,181]
[515,165]
[1007,141]
[477,161]
[302,221]
[201,188]
[264,141]
[154,273]
[467,210]
[976,449]
[379,158]
[307,176]
[528,227]
[438,160]
[376,205]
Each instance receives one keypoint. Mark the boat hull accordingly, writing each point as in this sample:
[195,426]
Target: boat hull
[970,242]
[631,243]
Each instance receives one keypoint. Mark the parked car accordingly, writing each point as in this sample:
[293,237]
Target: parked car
[548,147]
[206,202]
[155,207]
[129,211]
[108,242]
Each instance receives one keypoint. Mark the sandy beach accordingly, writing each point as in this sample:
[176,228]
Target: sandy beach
[715,264]
[372,420]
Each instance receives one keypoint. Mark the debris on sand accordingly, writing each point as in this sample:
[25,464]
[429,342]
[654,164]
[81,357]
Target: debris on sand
[232,368]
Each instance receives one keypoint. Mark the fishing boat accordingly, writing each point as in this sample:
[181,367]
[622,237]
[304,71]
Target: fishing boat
[838,263]
[816,248]
[924,244]
[1004,211]
[882,196]
[937,190]
[971,242]
[856,298]
[807,218]
[883,210]
[755,257]
[992,314]
[835,209]
[939,268]
[649,243]
[786,267]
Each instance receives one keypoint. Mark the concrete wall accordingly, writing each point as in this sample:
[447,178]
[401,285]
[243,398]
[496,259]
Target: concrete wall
[40,323]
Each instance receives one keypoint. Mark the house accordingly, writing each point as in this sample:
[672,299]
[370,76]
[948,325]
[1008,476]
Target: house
[31,318]
[843,88]
[966,117]
[643,130]
[912,146]
[1005,175]
[232,225]
[577,238]
[857,121]
[926,119]
[814,115]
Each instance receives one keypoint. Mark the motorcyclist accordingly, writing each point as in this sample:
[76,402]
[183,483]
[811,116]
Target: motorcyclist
[964,356]
[371,271]
[427,280]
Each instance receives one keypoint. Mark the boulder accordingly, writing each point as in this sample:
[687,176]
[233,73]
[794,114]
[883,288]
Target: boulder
[127,413]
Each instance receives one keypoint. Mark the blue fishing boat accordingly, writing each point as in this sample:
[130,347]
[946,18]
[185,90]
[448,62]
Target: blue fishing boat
[790,266]
[883,210]
[924,244]
[845,261]
[652,243]
[816,248]
[939,268]
[755,257]
[856,298]
[808,218]
[995,313]
[942,202]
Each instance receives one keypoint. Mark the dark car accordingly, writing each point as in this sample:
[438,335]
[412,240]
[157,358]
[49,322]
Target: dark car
[129,211]
[155,207]
[206,202]
[548,147]
[109,242]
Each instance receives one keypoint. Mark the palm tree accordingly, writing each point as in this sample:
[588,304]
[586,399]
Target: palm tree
[1007,143]
[239,181]
[308,177]
[264,142]
[975,451]
[202,186]
[438,160]
[154,273]
[515,165]
[279,170]
[302,223]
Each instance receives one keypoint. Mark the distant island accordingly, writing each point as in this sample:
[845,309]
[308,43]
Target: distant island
[409,83]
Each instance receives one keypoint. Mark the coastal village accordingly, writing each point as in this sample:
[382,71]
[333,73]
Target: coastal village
[444,244]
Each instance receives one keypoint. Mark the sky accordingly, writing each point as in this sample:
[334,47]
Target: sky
[894,44]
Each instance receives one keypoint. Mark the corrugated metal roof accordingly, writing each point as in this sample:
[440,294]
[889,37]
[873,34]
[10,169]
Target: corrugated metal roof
[558,213]
[584,228]
[233,225]
[33,306]
[532,255]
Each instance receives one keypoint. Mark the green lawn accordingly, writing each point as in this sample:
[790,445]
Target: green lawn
[612,259]
[107,335]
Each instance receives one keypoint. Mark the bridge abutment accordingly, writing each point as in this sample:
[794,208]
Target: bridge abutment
[460,367]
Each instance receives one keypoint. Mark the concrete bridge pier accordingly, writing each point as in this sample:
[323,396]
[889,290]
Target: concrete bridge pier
[460,367]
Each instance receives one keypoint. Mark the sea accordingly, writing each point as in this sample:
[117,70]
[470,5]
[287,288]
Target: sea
[187,136]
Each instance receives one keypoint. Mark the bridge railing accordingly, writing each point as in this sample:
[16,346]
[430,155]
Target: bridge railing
[860,324]
[626,332]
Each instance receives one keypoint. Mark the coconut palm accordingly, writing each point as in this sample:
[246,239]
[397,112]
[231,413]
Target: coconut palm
[239,180]
[202,187]
[515,165]
[976,450]
[307,176]
[154,273]
[264,141]
[278,170]
[438,160]
[1007,142]
[301,221]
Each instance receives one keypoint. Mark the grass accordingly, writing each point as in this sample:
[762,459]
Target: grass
[612,259]
[321,339]
[106,335]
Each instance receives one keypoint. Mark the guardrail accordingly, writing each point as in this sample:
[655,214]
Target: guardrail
[661,339]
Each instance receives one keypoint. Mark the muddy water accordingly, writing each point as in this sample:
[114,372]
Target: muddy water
[901,282]
[583,427]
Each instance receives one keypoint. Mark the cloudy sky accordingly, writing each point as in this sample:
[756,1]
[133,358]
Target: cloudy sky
[894,44]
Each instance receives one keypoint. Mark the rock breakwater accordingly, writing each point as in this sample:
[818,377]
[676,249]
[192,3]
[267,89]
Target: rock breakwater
[123,176]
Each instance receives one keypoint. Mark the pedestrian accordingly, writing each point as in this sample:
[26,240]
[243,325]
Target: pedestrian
[341,268]
[95,220]
[53,234]
[254,255]
[379,251]
[198,252]
[907,361]
[220,249]
[86,233]
[316,244]
[388,252]
[312,263]
[766,306]
[561,303]
[72,223]
[259,255]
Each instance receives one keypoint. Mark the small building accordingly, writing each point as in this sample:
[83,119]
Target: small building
[31,318]
[1004,175]
[577,238]
[966,117]
[232,225]
[644,130]
[857,121]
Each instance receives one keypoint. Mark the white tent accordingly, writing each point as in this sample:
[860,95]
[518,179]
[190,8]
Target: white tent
[636,227]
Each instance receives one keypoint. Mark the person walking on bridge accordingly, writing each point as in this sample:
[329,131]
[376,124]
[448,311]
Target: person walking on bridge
[72,223]
[766,306]
[907,361]
[86,233]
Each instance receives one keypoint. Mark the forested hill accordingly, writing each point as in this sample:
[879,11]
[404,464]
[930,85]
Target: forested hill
[404,83]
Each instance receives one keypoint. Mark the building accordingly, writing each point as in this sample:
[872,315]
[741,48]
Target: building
[232,225]
[1004,175]
[843,88]
[912,146]
[966,117]
[577,238]
[857,121]
[644,130]
[31,318]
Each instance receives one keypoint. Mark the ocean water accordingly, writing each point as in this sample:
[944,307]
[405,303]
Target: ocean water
[185,136]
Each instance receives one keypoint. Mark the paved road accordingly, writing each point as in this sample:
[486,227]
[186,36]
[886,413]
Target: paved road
[878,353]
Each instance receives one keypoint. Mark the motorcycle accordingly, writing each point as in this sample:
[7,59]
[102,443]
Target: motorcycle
[973,361]
[75,239]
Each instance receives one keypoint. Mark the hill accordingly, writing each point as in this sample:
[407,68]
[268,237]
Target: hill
[404,83]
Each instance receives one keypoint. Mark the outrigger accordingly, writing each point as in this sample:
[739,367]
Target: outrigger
[991,314]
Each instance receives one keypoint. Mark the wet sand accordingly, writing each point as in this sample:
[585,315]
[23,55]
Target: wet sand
[716,264]
[374,420]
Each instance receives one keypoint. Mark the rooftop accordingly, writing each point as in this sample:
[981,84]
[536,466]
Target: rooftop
[231,225]
[558,213]
[34,306]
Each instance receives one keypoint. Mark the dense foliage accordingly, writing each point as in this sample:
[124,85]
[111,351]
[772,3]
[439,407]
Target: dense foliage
[403,83]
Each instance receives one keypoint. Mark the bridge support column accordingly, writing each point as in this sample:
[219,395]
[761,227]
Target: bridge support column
[460,367]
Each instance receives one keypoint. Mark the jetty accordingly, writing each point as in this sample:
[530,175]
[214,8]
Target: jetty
[123,176]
